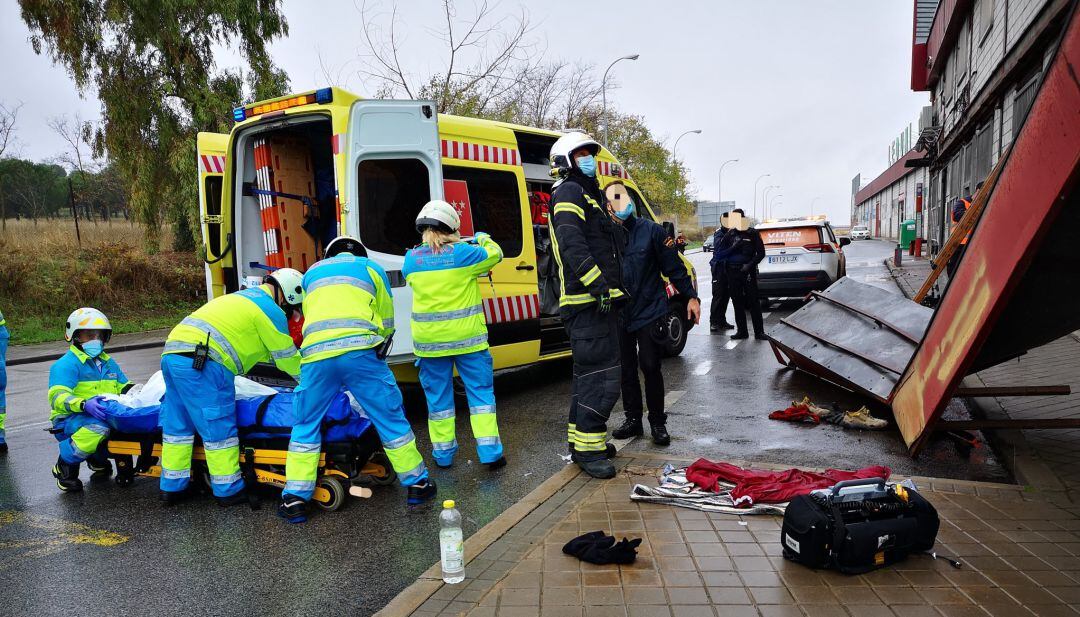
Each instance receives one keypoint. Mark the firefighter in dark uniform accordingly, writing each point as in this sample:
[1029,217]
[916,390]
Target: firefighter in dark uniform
[648,251]
[740,251]
[583,238]
[720,295]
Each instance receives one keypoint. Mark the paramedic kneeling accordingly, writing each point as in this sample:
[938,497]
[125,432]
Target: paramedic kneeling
[448,330]
[203,355]
[75,380]
[348,324]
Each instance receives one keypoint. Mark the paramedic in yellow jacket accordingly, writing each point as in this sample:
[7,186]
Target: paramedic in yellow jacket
[75,382]
[203,355]
[448,330]
[348,323]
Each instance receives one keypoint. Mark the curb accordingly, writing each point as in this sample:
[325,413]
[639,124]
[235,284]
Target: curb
[431,580]
[53,356]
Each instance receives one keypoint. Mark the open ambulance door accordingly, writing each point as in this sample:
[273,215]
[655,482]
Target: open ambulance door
[210,150]
[393,168]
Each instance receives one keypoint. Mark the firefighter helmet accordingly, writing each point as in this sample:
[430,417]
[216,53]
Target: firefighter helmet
[567,145]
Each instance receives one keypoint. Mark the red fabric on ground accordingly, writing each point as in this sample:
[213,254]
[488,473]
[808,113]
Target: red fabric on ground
[796,413]
[756,486]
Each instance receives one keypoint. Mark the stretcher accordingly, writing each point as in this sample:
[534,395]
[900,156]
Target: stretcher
[344,468]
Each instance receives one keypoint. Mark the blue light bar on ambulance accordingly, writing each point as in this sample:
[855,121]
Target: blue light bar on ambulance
[321,97]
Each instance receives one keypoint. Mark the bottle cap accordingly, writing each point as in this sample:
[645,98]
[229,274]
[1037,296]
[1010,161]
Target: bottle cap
[449,503]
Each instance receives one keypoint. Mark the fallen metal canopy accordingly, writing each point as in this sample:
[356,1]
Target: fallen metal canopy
[853,334]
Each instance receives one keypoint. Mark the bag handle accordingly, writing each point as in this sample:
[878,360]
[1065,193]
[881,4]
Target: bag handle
[857,482]
[260,412]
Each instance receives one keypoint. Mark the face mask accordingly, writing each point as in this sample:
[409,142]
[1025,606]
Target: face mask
[587,165]
[626,212]
[93,348]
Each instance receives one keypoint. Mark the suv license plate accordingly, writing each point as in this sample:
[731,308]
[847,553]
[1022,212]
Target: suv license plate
[784,259]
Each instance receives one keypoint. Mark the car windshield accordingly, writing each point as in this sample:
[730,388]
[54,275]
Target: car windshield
[791,236]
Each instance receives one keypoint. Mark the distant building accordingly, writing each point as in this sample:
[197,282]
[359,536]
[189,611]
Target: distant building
[709,212]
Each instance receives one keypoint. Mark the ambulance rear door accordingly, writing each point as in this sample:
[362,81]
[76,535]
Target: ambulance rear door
[210,154]
[393,169]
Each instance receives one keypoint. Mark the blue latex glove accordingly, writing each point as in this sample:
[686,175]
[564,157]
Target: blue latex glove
[94,407]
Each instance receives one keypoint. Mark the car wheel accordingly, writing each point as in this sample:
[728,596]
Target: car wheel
[677,331]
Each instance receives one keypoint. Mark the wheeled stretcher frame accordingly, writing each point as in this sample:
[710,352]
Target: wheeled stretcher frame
[342,465]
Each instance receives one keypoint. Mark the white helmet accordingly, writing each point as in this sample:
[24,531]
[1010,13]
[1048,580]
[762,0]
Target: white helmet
[440,215]
[87,318]
[289,282]
[568,143]
[345,244]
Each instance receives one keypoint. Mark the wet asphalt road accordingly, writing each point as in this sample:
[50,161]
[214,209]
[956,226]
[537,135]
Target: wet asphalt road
[116,550]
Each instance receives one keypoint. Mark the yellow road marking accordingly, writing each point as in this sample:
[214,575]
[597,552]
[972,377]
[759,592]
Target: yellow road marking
[57,534]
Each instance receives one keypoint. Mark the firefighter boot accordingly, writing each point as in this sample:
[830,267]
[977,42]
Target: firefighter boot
[67,476]
[660,436]
[601,469]
[609,451]
[630,428]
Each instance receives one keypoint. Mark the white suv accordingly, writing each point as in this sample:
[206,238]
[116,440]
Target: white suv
[860,232]
[800,257]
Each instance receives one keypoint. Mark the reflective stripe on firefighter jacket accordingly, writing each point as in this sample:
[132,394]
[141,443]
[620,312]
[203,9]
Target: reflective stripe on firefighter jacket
[584,243]
[242,328]
[447,313]
[347,306]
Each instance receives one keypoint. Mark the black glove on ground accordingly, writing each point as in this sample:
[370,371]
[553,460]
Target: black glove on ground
[600,548]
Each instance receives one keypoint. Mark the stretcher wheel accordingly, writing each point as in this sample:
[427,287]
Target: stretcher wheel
[337,491]
[123,480]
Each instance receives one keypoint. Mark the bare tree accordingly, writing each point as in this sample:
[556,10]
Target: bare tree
[486,58]
[8,118]
[80,157]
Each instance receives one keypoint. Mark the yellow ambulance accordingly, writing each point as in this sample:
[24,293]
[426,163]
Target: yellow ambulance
[299,170]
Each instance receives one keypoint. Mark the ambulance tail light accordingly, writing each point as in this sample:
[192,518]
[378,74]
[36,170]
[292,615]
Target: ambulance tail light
[819,248]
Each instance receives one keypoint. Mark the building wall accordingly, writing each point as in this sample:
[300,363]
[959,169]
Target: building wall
[885,210]
[975,61]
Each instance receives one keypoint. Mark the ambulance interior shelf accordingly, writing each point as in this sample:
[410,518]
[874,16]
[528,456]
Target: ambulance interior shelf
[288,179]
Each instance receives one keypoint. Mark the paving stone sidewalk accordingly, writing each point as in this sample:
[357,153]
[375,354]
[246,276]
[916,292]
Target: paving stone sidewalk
[1047,458]
[1020,552]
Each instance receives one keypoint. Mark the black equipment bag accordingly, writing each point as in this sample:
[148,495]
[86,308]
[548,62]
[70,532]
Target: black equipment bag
[868,526]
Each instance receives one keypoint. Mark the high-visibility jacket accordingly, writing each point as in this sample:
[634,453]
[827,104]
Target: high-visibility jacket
[243,328]
[960,207]
[583,236]
[2,320]
[347,306]
[447,314]
[76,377]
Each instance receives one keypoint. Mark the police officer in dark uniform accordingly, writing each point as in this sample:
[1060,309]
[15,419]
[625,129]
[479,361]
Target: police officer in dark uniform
[648,251]
[740,251]
[584,243]
[720,295]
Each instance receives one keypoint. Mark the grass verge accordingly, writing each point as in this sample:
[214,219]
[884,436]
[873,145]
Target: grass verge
[42,281]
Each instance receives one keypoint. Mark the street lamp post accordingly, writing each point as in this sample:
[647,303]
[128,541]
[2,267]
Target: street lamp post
[720,182]
[771,202]
[812,202]
[755,191]
[676,146]
[603,94]
[765,199]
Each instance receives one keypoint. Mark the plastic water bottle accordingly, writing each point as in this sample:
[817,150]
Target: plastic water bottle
[451,544]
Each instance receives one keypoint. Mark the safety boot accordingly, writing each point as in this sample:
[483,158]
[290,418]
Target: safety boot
[630,427]
[102,470]
[292,508]
[67,476]
[601,469]
[3,447]
[660,436]
[171,498]
[421,492]
[740,335]
[235,499]
[496,464]
[761,336]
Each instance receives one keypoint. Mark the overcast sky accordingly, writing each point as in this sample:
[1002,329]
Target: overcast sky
[809,92]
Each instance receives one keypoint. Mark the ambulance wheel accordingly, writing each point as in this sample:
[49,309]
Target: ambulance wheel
[380,459]
[337,493]
[676,332]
